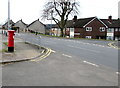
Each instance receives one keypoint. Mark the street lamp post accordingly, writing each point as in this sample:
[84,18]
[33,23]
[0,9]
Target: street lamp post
[10,32]
[8,14]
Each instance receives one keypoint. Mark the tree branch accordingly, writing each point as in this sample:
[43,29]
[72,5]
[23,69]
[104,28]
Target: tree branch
[56,9]
[57,22]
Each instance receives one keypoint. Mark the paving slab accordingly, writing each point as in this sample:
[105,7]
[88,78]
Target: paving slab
[22,51]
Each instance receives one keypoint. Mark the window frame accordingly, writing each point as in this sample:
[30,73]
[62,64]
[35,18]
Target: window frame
[88,29]
[102,29]
[110,30]
[116,29]
[88,37]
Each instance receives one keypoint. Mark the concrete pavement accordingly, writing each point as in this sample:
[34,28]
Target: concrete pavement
[23,51]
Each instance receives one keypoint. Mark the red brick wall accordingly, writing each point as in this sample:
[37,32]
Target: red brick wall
[117,33]
[96,24]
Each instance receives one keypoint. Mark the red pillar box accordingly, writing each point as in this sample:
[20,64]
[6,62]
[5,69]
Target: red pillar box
[10,40]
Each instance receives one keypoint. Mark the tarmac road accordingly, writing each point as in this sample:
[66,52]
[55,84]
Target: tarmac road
[57,70]
[93,51]
[71,63]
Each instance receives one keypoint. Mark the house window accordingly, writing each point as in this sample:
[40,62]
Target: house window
[110,30]
[71,29]
[116,29]
[88,28]
[67,29]
[88,37]
[102,29]
[77,33]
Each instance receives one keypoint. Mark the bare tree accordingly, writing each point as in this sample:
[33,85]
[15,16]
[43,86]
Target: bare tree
[59,10]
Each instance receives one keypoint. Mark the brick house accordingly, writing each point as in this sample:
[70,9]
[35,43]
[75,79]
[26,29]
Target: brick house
[86,28]
[93,28]
[113,31]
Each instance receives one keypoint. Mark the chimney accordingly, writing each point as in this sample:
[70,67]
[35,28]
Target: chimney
[110,19]
[75,18]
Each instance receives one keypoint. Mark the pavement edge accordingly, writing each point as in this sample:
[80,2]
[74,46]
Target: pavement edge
[112,45]
[45,52]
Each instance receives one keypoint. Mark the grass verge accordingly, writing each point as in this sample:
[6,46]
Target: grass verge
[5,43]
[5,49]
[74,38]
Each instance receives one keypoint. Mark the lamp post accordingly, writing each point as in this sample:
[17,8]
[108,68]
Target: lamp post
[10,32]
[8,14]
[119,9]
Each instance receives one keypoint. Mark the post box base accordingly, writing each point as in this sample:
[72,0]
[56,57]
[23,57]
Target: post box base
[10,49]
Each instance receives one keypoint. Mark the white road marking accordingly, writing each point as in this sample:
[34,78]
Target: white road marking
[58,39]
[99,45]
[109,47]
[91,63]
[53,51]
[86,43]
[117,73]
[50,42]
[67,55]
[85,49]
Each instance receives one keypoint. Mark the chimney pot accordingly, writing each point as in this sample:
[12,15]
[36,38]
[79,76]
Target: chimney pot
[110,18]
[75,18]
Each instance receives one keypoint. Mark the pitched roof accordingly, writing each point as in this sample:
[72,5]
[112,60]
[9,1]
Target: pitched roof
[49,26]
[114,23]
[11,22]
[34,22]
[79,23]
[21,22]
[82,22]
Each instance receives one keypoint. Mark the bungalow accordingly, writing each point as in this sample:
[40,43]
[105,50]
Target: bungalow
[37,26]
[21,26]
[5,26]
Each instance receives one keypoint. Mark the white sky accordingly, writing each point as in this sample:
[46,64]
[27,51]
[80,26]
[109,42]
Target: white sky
[30,10]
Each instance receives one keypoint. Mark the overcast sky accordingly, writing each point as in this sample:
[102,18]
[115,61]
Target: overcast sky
[30,10]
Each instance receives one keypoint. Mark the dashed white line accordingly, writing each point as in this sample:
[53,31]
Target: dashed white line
[50,42]
[53,51]
[84,49]
[86,43]
[67,55]
[94,44]
[91,63]
[117,73]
